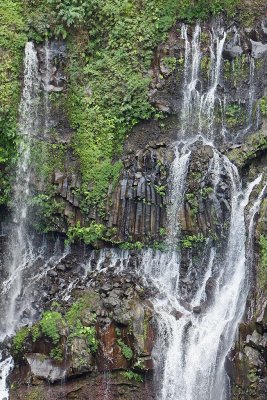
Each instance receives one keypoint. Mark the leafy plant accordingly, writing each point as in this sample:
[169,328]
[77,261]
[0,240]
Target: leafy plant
[132,376]
[50,324]
[19,339]
[193,202]
[90,333]
[234,114]
[126,350]
[88,235]
[263,106]
[192,240]
[56,353]
[206,191]
[132,245]
[161,190]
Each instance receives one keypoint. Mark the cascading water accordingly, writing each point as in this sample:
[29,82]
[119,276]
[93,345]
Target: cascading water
[195,330]
[192,347]
[21,250]
[17,289]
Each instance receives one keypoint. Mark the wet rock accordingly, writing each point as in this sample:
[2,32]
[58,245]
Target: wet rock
[81,357]
[61,267]
[44,368]
[52,273]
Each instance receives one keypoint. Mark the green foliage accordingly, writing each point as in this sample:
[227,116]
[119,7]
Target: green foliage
[115,60]
[245,154]
[132,245]
[206,191]
[170,63]
[193,240]
[161,246]
[191,198]
[77,309]
[45,206]
[35,332]
[12,40]
[77,329]
[126,350]
[161,190]
[19,339]
[162,231]
[50,325]
[90,333]
[263,106]
[56,353]
[132,376]
[234,114]
[89,234]
[47,158]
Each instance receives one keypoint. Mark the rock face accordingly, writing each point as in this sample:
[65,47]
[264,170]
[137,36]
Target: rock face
[119,312]
[136,206]
[105,340]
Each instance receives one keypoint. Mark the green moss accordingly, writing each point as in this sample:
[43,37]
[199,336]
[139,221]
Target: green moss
[132,376]
[57,327]
[126,350]
[192,200]
[206,191]
[50,325]
[35,393]
[132,245]
[193,240]
[263,106]
[47,158]
[35,332]
[170,63]
[19,339]
[161,190]
[245,154]
[56,353]
[234,115]
[89,234]
[47,211]
[12,40]
[74,316]
[89,332]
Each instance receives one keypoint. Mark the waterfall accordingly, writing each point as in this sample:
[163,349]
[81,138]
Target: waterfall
[196,329]
[20,246]
[191,348]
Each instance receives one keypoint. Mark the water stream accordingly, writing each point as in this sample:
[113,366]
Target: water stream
[195,331]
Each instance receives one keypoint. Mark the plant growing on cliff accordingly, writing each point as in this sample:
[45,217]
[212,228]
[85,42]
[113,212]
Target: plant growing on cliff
[132,245]
[56,354]
[192,199]
[50,325]
[12,40]
[193,240]
[132,376]
[89,234]
[19,339]
[263,106]
[161,190]
[126,350]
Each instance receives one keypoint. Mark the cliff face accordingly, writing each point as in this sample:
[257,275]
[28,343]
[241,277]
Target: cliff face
[98,337]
